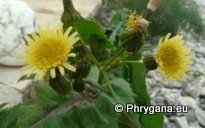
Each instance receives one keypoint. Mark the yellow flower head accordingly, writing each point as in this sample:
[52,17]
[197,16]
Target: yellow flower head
[131,24]
[173,58]
[48,51]
[136,23]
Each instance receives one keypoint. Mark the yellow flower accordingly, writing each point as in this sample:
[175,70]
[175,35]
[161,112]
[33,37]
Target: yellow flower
[131,24]
[136,23]
[49,51]
[173,58]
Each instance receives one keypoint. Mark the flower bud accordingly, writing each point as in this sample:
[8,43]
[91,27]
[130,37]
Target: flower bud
[78,85]
[153,5]
[150,62]
[70,15]
[82,70]
[131,41]
[60,84]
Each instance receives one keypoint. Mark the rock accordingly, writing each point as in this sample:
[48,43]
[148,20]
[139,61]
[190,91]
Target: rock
[17,19]
[170,125]
[10,95]
[202,91]
[181,122]
[202,102]
[200,116]
[186,101]
[191,116]
[170,95]
[194,125]
[193,88]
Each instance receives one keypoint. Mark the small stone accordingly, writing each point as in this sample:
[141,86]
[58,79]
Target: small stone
[170,95]
[193,88]
[202,91]
[10,95]
[191,116]
[181,122]
[17,19]
[170,125]
[194,125]
[200,116]
[186,101]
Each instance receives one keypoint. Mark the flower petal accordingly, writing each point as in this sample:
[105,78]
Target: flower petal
[67,32]
[61,69]
[53,72]
[69,67]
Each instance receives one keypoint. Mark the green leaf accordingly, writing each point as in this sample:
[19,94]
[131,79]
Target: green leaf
[123,90]
[46,100]
[138,74]
[88,28]
[139,84]
[25,77]
[93,74]
[9,116]
[98,113]
[152,121]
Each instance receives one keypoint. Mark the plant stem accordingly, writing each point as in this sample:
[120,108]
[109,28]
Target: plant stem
[122,62]
[95,85]
[131,62]
[92,58]
[113,58]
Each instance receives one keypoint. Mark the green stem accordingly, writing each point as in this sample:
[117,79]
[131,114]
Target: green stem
[90,55]
[113,58]
[92,58]
[131,62]
[100,78]
[122,62]
[109,86]
[96,85]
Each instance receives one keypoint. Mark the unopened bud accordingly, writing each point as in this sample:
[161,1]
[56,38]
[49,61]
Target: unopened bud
[153,5]
[60,84]
[131,41]
[83,69]
[78,85]
[150,62]
[70,15]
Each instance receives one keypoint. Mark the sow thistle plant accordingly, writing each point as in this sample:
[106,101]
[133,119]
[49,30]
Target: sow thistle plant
[83,74]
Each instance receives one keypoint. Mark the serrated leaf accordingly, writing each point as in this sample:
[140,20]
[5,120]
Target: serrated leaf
[123,90]
[98,113]
[25,77]
[9,116]
[88,28]
[152,121]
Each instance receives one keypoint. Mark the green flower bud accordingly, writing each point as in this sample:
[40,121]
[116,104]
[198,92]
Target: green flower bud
[60,84]
[131,41]
[80,50]
[70,15]
[78,85]
[82,70]
[150,62]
